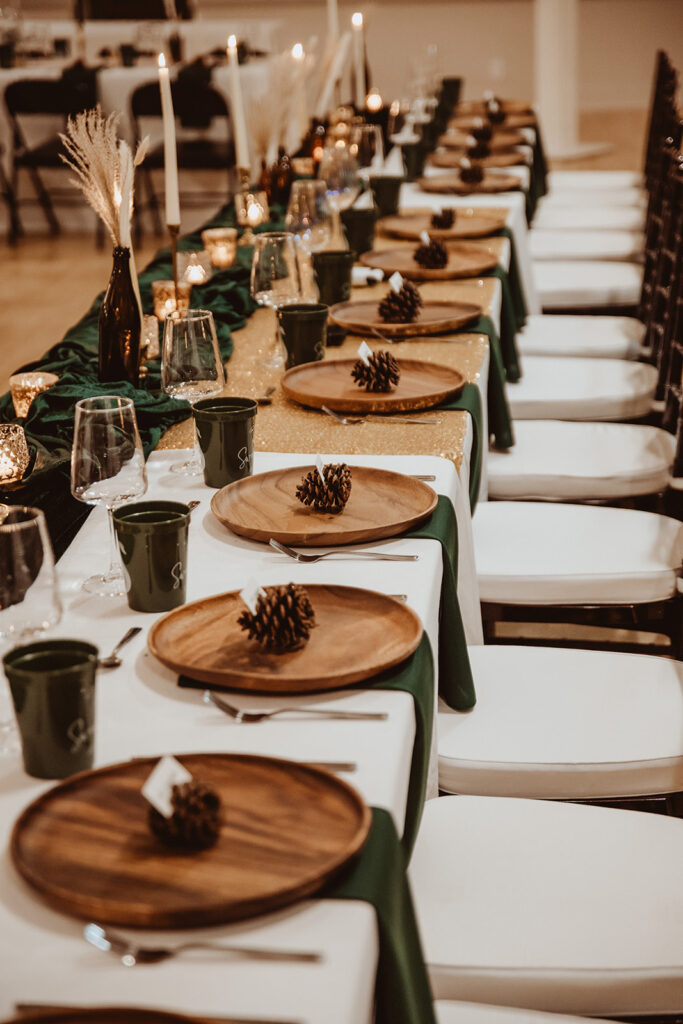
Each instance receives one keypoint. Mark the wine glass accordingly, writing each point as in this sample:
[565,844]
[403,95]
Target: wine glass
[107,468]
[366,145]
[308,216]
[29,597]
[339,170]
[276,279]
[191,368]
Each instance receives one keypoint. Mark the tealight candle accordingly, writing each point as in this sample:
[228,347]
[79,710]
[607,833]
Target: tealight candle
[25,386]
[221,244]
[14,455]
[194,267]
[164,295]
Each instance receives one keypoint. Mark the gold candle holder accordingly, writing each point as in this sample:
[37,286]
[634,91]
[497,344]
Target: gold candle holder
[150,337]
[25,386]
[221,245]
[251,209]
[194,267]
[164,295]
[14,454]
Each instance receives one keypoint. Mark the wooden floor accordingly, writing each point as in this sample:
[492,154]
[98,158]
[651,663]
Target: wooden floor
[46,284]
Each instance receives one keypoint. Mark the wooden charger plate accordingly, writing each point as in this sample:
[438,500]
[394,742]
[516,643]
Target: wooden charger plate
[433,318]
[466,122]
[469,223]
[463,261]
[500,140]
[421,386]
[87,848]
[478,107]
[359,633]
[451,183]
[450,158]
[104,1015]
[381,504]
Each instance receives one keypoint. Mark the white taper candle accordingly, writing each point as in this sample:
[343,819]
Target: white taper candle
[358,59]
[170,152]
[239,124]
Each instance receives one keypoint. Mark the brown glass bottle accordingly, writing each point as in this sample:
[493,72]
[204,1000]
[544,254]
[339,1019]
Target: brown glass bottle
[119,324]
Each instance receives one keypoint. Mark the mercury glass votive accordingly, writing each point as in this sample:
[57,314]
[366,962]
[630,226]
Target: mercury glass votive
[194,267]
[14,455]
[221,244]
[163,294]
[251,209]
[25,386]
[150,336]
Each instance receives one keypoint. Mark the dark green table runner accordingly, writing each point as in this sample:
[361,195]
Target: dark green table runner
[378,876]
[508,327]
[500,420]
[515,280]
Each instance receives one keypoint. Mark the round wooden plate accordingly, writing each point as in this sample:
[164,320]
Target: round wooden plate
[359,633]
[466,122]
[500,140]
[382,504]
[449,158]
[469,223]
[86,846]
[463,261]
[451,183]
[477,108]
[104,1015]
[421,386]
[433,318]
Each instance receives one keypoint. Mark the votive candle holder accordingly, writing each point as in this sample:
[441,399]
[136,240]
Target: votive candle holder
[14,454]
[164,296]
[194,267]
[25,386]
[221,244]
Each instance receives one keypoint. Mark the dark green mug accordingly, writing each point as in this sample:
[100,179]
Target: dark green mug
[333,274]
[53,691]
[303,327]
[359,226]
[225,432]
[386,188]
[152,539]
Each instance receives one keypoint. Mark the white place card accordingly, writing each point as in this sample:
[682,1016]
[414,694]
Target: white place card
[166,774]
[396,282]
[320,466]
[424,238]
[364,351]
[250,594]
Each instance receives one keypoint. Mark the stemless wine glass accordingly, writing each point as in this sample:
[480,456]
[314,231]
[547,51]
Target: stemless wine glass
[309,217]
[276,280]
[191,368]
[107,468]
[29,596]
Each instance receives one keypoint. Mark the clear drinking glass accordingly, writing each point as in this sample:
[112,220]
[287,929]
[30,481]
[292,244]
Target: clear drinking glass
[191,368]
[107,468]
[366,145]
[339,170]
[29,596]
[309,216]
[276,280]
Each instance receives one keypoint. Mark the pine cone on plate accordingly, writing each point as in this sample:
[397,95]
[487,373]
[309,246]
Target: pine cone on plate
[495,111]
[195,822]
[471,174]
[284,618]
[444,220]
[482,131]
[433,256]
[401,307]
[330,496]
[381,374]
[479,151]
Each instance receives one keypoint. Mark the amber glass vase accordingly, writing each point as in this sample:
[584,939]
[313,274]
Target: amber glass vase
[119,324]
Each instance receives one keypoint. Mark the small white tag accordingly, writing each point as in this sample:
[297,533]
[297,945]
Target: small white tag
[470,140]
[250,593]
[157,789]
[466,163]
[364,351]
[488,95]
[396,282]
[320,466]
[424,238]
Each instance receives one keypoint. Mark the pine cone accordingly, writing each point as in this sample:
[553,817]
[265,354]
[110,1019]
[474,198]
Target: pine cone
[195,822]
[444,220]
[471,174]
[433,256]
[330,496]
[482,132]
[495,111]
[401,307]
[479,151]
[284,618]
[382,374]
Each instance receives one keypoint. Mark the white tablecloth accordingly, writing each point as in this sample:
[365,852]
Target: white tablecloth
[140,711]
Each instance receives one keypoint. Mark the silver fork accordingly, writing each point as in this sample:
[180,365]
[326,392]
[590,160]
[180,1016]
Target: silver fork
[389,418]
[299,556]
[259,716]
[132,954]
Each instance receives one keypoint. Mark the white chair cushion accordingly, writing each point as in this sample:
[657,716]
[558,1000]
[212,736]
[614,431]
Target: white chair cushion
[561,180]
[562,461]
[591,218]
[556,907]
[607,337]
[597,196]
[540,553]
[582,389]
[584,283]
[565,725]
[548,244]
[480,1013]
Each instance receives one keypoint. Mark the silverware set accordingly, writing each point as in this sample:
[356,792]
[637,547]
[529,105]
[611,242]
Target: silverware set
[352,420]
[260,716]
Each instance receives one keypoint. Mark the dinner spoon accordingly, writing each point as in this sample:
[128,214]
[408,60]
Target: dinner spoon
[112,660]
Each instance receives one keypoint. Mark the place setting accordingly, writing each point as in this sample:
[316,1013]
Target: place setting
[449,223]
[432,260]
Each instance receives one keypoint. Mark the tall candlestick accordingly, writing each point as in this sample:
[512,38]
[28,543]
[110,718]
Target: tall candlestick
[238,121]
[299,106]
[333,20]
[359,59]
[170,152]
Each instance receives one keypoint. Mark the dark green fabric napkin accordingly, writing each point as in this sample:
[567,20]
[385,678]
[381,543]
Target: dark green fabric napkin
[456,685]
[515,280]
[469,400]
[540,163]
[378,876]
[500,420]
[415,676]
[508,327]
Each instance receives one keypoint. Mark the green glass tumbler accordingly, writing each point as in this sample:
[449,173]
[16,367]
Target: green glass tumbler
[386,188]
[333,273]
[152,539]
[225,433]
[359,226]
[53,691]
[303,327]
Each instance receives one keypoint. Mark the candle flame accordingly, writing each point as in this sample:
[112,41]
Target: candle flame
[357,19]
[232,42]
[373,101]
[162,61]
[297,51]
